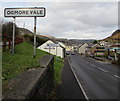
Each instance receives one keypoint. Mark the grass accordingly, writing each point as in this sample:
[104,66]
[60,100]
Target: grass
[58,64]
[13,65]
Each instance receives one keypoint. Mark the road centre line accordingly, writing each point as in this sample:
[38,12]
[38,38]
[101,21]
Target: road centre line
[84,93]
[92,65]
[103,70]
[86,62]
[117,76]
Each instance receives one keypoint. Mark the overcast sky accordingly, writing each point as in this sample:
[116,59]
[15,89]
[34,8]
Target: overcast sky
[72,20]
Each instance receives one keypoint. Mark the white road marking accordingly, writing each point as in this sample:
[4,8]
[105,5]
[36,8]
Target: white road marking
[84,93]
[86,62]
[117,76]
[92,65]
[103,70]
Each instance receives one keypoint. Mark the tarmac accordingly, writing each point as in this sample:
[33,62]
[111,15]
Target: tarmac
[69,89]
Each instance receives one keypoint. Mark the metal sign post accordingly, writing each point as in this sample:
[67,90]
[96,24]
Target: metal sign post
[34,37]
[13,39]
[25,12]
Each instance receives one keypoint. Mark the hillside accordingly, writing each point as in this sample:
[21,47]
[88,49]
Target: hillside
[24,31]
[115,37]
[44,38]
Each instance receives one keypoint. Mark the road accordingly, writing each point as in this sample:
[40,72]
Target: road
[98,79]
[69,89]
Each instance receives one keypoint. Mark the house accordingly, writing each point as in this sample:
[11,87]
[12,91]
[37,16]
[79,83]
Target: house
[76,47]
[61,44]
[114,50]
[99,51]
[82,48]
[69,48]
[53,47]
[95,50]
[88,50]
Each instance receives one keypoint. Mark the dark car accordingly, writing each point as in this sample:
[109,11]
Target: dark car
[92,55]
[72,53]
[67,53]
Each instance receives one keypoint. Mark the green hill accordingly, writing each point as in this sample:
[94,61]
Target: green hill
[12,65]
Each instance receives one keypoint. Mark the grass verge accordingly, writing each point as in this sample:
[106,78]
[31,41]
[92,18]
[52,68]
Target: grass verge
[58,64]
[13,65]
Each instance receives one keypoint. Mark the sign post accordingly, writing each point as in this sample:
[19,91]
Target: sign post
[25,12]
[34,37]
[13,39]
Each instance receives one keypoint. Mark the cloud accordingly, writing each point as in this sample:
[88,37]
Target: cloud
[80,20]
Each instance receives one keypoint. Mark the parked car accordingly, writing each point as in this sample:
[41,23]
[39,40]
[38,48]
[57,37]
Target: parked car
[67,53]
[91,55]
[72,53]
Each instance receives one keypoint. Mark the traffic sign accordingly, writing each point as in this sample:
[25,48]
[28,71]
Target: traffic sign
[25,12]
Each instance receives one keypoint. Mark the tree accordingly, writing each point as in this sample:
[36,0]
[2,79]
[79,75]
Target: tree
[7,29]
[7,33]
[95,41]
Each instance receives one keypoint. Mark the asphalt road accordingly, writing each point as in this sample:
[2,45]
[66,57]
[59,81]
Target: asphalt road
[69,88]
[98,79]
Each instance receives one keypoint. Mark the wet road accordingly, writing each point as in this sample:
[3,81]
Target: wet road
[69,89]
[98,79]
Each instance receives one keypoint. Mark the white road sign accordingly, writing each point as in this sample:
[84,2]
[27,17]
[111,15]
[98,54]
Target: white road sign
[25,12]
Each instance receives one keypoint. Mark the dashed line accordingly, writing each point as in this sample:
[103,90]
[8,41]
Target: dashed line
[103,70]
[117,76]
[92,65]
[86,62]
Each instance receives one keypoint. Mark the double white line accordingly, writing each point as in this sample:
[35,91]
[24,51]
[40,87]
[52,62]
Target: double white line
[84,93]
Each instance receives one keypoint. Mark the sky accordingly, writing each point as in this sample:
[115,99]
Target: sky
[71,20]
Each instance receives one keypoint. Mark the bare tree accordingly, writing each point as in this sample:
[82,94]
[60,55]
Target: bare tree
[7,32]
[7,29]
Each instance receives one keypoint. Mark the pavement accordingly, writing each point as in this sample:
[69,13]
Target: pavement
[69,89]
[98,79]
[102,59]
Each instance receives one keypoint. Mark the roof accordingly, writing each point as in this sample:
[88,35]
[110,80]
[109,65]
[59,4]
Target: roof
[54,44]
[115,46]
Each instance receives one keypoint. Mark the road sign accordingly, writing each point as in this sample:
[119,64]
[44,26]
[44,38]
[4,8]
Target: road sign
[25,12]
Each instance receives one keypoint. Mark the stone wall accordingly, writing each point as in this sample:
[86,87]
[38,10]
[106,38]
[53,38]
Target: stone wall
[33,83]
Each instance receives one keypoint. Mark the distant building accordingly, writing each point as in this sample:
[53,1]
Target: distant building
[82,48]
[114,50]
[95,50]
[99,51]
[69,47]
[54,48]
